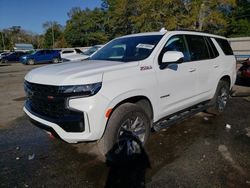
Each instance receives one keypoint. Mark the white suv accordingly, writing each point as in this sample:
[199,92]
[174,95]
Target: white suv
[133,84]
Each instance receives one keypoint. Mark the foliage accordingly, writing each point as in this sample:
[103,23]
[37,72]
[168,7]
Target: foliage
[14,35]
[85,27]
[120,17]
[53,33]
[131,16]
[240,20]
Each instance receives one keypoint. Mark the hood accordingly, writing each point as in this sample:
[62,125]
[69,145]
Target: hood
[75,72]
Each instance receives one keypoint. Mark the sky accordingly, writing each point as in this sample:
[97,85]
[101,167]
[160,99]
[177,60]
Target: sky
[31,14]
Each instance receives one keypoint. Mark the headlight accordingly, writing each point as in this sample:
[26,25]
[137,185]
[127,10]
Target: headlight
[81,90]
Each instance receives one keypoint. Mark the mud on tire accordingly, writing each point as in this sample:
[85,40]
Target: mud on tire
[127,117]
[220,99]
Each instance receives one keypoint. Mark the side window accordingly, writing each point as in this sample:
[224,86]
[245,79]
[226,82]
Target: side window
[225,46]
[175,43]
[197,47]
[42,52]
[68,52]
[118,51]
[78,51]
[212,49]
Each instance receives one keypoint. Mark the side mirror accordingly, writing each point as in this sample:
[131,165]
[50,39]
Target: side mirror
[172,57]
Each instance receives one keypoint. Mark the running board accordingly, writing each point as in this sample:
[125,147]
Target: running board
[179,116]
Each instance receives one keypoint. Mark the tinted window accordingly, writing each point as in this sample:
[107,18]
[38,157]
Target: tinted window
[78,50]
[197,47]
[176,43]
[67,52]
[128,49]
[49,51]
[42,52]
[225,46]
[212,49]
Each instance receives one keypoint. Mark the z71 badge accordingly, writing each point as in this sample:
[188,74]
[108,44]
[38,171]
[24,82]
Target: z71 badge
[143,68]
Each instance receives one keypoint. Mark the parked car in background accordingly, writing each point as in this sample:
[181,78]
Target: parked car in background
[12,57]
[41,56]
[244,71]
[3,54]
[82,56]
[68,52]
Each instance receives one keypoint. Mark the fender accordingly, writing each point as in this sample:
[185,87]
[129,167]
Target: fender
[130,94]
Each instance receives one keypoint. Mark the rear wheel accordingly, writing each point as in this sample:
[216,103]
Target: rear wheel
[31,62]
[219,102]
[55,60]
[127,118]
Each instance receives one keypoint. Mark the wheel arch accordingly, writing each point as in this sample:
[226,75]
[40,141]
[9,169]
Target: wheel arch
[227,79]
[142,100]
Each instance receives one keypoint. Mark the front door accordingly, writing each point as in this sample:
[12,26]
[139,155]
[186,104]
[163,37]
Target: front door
[177,82]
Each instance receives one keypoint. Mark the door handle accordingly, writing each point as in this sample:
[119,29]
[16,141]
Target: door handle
[216,66]
[192,70]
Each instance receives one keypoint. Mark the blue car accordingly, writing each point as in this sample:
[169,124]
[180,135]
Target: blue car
[12,57]
[41,56]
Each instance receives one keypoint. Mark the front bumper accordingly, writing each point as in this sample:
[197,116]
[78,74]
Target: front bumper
[70,137]
[74,119]
[69,122]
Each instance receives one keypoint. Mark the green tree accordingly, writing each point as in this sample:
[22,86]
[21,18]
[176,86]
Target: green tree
[85,27]
[240,20]
[15,34]
[208,15]
[130,16]
[53,32]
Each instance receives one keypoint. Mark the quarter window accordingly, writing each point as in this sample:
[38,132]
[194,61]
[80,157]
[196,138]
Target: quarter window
[212,49]
[197,47]
[225,46]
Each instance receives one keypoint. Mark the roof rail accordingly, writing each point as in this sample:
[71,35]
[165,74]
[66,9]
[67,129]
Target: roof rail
[193,30]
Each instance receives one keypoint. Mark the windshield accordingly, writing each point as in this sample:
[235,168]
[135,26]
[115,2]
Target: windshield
[128,49]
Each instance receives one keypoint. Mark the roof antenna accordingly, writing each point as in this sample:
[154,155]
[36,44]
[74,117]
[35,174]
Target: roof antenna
[163,30]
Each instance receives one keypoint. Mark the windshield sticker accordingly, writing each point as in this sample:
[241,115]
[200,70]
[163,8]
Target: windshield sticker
[145,46]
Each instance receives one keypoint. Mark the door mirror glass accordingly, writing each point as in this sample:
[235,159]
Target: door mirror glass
[172,57]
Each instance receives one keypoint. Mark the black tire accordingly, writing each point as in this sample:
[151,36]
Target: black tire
[31,62]
[123,115]
[55,60]
[5,61]
[220,99]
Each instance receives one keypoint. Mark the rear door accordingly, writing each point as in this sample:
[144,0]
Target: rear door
[48,56]
[40,56]
[202,57]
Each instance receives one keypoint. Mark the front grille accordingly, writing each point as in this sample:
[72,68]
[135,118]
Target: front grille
[45,100]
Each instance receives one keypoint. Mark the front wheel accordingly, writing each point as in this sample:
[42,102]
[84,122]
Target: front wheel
[55,60]
[126,119]
[5,61]
[219,102]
